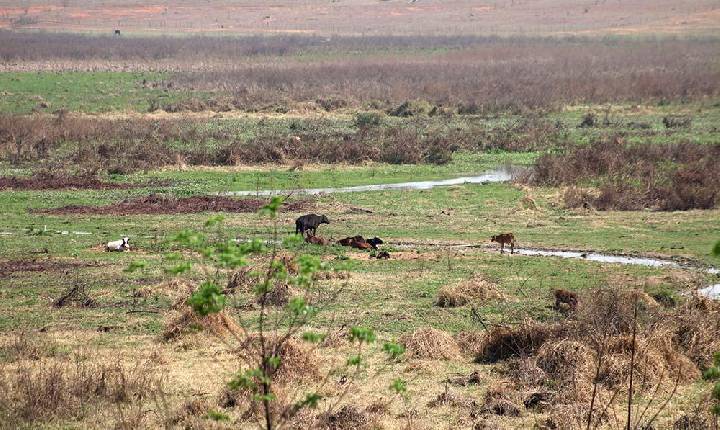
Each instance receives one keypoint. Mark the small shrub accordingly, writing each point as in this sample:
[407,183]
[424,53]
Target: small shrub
[677,121]
[412,108]
[589,120]
[368,119]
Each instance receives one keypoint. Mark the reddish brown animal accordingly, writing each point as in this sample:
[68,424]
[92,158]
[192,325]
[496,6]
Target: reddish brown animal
[503,239]
[317,240]
[383,255]
[357,242]
[565,301]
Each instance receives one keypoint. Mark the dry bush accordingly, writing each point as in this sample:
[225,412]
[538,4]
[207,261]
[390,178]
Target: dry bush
[348,417]
[46,390]
[590,351]
[476,289]
[429,343]
[500,400]
[576,197]
[522,340]
[470,342]
[27,346]
[672,176]
[298,361]
[185,320]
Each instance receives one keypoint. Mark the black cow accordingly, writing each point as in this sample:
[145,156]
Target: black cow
[309,223]
[374,242]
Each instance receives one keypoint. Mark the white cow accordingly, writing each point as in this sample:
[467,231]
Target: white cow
[118,245]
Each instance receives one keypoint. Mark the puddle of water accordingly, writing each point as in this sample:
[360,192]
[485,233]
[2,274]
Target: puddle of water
[711,292]
[602,258]
[499,175]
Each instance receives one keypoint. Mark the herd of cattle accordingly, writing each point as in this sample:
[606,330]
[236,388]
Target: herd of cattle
[307,225]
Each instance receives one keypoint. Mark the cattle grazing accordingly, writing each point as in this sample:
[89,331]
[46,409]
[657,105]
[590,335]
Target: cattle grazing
[505,238]
[565,301]
[309,223]
[118,245]
[117,32]
[317,240]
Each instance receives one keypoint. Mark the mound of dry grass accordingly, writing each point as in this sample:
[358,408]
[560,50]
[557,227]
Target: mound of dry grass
[348,417]
[474,290]
[185,321]
[589,353]
[430,343]
[298,360]
[501,400]
[505,342]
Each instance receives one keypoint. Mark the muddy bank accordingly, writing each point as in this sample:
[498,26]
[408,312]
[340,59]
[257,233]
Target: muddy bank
[8,267]
[46,182]
[498,175]
[157,205]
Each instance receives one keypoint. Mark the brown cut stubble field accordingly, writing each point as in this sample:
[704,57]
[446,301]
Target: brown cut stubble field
[427,17]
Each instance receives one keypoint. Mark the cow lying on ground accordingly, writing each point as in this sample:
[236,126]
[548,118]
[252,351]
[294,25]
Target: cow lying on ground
[506,238]
[360,242]
[309,223]
[118,245]
[317,240]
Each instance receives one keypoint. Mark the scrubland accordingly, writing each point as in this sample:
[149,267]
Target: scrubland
[613,145]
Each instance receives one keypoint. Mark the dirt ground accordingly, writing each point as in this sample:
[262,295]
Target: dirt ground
[368,17]
[39,182]
[155,204]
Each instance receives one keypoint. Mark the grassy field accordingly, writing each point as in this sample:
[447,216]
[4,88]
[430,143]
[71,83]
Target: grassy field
[85,342]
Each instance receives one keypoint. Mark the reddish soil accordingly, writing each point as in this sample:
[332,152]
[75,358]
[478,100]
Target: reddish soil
[155,204]
[357,17]
[45,182]
[8,267]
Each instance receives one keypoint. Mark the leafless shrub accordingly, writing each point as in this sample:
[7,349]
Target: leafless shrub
[677,176]
[677,121]
[40,391]
[28,346]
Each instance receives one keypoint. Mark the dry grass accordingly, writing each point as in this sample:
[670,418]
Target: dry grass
[45,390]
[430,343]
[185,320]
[594,344]
[522,340]
[475,290]
[27,346]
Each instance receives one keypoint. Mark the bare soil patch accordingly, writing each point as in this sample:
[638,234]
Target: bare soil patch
[49,182]
[8,267]
[156,204]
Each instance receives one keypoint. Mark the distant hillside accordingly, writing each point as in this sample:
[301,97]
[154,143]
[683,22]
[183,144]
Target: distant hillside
[403,17]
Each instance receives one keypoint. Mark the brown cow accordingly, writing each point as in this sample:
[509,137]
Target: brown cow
[317,240]
[565,301]
[504,238]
